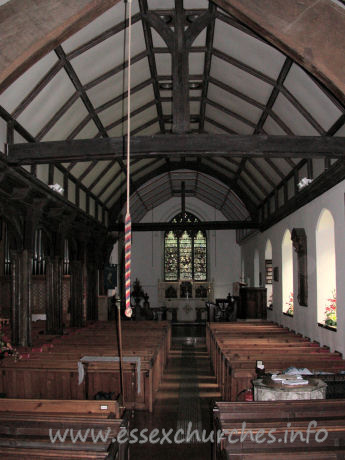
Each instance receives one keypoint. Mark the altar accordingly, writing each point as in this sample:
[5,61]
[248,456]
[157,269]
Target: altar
[185,300]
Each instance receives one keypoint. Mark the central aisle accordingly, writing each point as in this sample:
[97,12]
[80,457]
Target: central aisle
[184,399]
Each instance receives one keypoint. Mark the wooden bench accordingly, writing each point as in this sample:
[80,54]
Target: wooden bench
[281,417]
[52,372]
[28,429]
[235,348]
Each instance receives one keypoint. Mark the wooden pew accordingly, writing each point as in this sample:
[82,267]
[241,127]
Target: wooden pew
[235,348]
[280,417]
[53,373]
[28,429]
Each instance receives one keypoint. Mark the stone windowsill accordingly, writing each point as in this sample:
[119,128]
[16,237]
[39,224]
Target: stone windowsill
[287,314]
[330,328]
[270,308]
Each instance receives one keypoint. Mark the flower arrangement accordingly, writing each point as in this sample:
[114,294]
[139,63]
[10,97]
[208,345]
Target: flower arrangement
[331,310]
[289,311]
[6,348]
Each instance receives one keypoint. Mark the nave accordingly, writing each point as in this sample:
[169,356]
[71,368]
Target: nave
[186,394]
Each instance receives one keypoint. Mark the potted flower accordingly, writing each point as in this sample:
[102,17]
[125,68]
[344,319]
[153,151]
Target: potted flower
[6,348]
[331,310]
[289,311]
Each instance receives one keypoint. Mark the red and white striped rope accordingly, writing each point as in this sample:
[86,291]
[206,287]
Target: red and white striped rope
[128,223]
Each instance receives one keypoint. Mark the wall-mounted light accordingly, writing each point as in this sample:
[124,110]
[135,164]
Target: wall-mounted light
[195,85]
[304,183]
[167,85]
[57,188]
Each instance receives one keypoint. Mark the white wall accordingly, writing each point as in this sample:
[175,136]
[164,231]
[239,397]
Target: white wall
[304,320]
[148,257]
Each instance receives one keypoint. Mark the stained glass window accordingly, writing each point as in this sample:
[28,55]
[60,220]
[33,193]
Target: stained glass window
[185,251]
[171,257]
[200,256]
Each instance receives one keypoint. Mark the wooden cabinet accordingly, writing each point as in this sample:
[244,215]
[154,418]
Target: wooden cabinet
[253,303]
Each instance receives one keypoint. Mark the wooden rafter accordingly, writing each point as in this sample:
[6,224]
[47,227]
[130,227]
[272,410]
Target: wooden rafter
[161,145]
[152,63]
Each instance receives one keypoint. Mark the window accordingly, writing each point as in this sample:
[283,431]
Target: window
[185,251]
[326,271]
[269,273]
[38,260]
[7,256]
[287,274]
[256,268]
[66,267]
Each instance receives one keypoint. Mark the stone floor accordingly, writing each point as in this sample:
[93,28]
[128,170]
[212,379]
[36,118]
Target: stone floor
[185,397]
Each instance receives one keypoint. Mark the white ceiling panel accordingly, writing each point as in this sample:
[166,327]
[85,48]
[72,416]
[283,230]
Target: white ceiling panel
[110,18]
[194,107]
[150,130]
[45,105]
[163,63]
[228,121]
[158,4]
[14,95]
[196,63]
[243,185]
[240,80]
[88,132]
[293,118]
[167,108]
[119,110]
[136,121]
[229,164]
[95,171]
[105,179]
[234,103]
[66,124]
[311,97]
[195,4]
[271,127]
[117,85]
[257,175]
[210,128]
[248,49]
[341,132]
[79,168]
[141,165]
[106,55]
[157,40]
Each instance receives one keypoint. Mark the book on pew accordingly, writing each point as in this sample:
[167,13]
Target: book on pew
[289,379]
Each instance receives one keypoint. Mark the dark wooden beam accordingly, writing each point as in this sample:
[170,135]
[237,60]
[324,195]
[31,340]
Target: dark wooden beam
[180,72]
[161,145]
[164,226]
[152,63]
[79,87]
[207,63]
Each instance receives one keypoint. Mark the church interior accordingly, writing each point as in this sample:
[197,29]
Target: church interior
[172,219]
